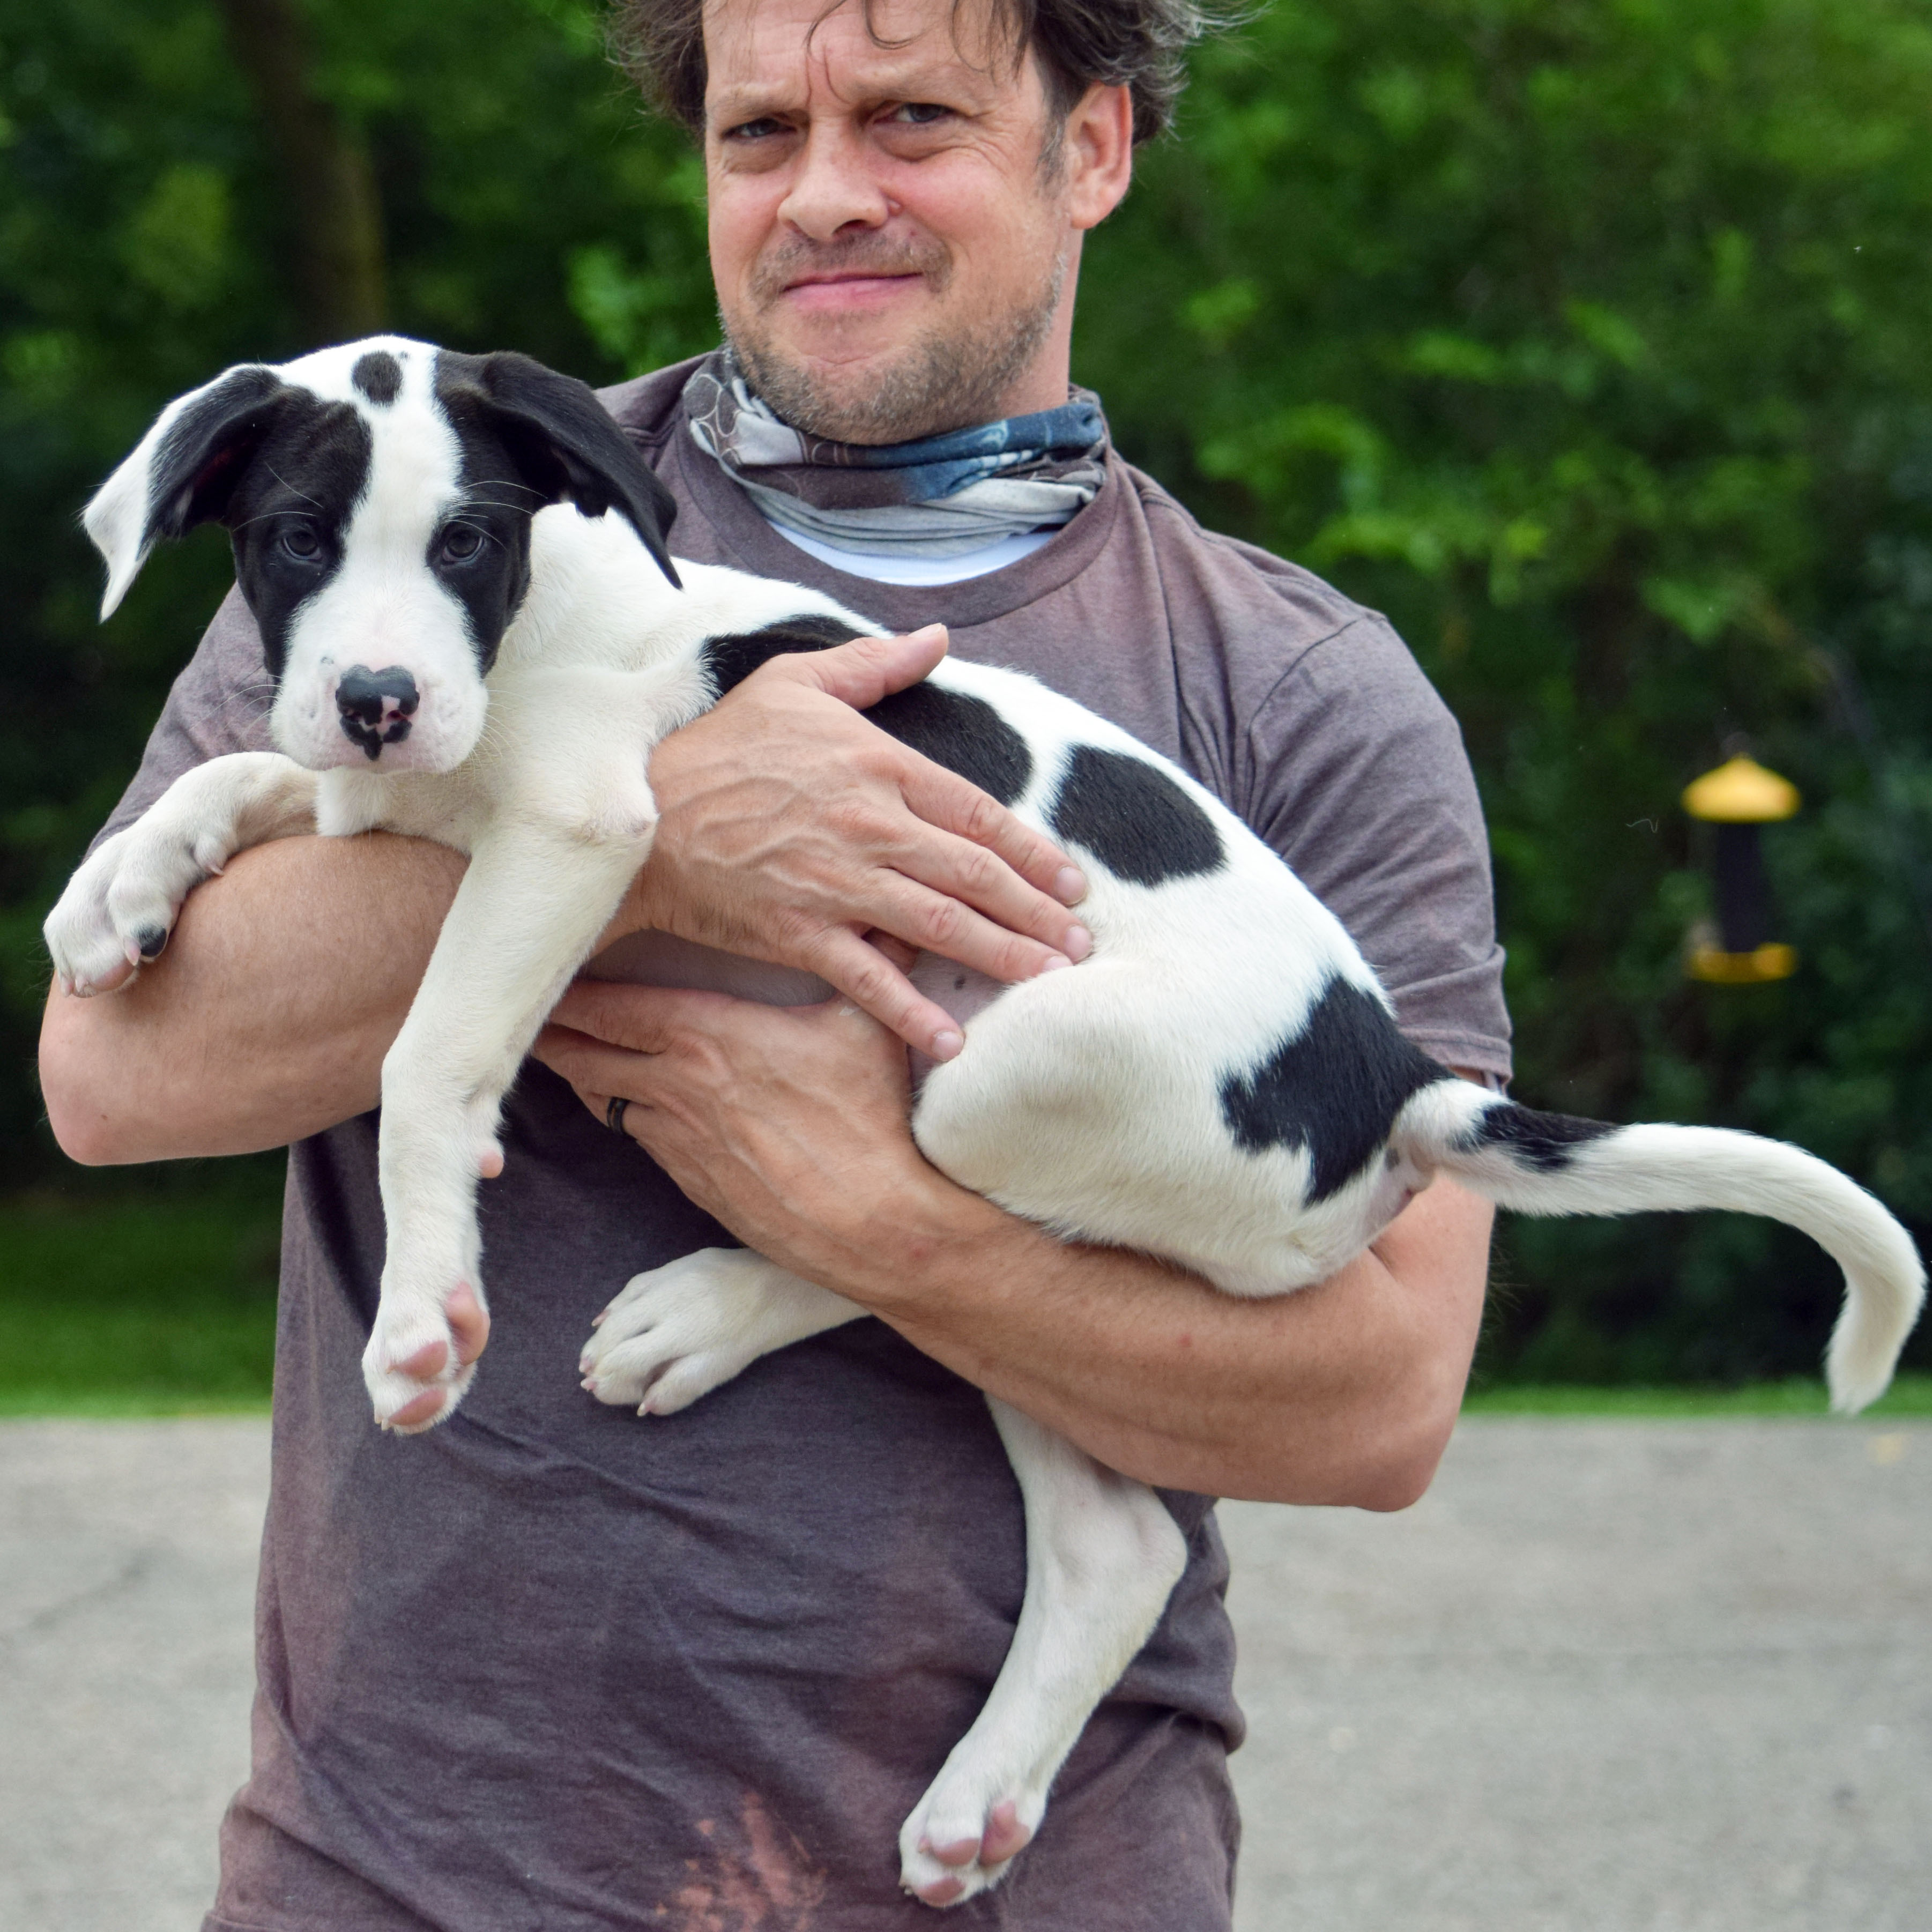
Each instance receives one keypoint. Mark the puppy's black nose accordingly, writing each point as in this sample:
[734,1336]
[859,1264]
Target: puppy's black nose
[376,705]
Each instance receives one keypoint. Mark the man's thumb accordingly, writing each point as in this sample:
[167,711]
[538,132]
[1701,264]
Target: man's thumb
[868,669]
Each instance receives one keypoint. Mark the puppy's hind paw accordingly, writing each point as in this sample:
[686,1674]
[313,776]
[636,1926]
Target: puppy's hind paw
[679,1331]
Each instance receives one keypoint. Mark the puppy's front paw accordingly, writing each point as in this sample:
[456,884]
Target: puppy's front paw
[119,908]
[421,1358]
[964,1833]
[678,1331]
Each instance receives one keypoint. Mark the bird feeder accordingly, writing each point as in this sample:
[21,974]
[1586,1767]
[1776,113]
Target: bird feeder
[1737,798]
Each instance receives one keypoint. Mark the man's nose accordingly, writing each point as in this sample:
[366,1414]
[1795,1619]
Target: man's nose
[376,707]
[834,186]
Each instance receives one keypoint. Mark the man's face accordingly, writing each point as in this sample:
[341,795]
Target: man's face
[891,257]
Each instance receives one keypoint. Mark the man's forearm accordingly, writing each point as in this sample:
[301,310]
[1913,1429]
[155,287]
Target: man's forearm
[267,1019]
[1343,1393]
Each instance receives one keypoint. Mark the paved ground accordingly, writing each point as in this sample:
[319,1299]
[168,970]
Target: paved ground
[1637,1677]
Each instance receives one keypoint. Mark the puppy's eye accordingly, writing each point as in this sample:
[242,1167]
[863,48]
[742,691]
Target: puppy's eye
[302,542]
[461,541]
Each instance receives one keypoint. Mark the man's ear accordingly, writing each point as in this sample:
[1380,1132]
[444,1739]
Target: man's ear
[1098,139]
[182,472]
[563,441]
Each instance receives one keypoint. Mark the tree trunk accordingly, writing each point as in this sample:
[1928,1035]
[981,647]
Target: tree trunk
[336,220]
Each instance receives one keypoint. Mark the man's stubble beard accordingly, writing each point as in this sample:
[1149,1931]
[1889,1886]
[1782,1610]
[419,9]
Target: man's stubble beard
[945,379]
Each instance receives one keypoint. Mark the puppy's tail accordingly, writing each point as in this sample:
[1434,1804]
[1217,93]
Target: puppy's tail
[1555,1164]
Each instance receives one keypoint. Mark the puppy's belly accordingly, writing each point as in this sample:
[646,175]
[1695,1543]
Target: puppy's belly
[663,959]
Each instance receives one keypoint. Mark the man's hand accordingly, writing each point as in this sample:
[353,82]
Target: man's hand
[790,1126]
[790,826]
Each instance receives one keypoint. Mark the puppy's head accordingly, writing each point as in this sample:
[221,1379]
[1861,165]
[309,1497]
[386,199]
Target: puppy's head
[379,497]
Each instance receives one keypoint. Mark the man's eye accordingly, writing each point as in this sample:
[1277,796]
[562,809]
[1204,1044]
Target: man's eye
[461,541]
[919,113]
[754,130]
[301,542]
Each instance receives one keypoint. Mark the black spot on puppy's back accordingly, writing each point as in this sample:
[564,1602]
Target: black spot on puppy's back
[1335,1088]
[378,376]
[967,735]
[1134,818]
[964,733]
[731,659]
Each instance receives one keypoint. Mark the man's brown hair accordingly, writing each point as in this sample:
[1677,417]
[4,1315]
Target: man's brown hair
[1138,44]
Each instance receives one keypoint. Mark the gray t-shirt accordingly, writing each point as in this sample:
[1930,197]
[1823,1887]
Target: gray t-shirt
[550,1666]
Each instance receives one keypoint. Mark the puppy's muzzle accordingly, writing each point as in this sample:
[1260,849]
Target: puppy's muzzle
[377,706]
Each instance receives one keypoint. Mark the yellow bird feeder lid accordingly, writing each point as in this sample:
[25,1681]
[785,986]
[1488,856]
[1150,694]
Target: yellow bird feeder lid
[1741,792]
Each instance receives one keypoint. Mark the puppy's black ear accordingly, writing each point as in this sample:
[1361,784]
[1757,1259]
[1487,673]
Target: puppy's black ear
[183,472]
[563,441]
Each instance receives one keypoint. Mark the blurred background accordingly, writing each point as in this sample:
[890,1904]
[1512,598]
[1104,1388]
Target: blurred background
[1588,338]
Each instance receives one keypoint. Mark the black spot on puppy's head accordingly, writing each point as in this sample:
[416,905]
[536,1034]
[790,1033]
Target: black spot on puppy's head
[1334,1087]
[1133,818]
[480,553]
[289,516]
[378,376]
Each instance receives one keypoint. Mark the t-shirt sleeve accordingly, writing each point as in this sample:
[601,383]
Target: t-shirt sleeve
[1360,782]
[219,703]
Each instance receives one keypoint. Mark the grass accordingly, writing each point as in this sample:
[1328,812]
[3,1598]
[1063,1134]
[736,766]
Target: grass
[147,1305]
[1909,1396]
[163,1303]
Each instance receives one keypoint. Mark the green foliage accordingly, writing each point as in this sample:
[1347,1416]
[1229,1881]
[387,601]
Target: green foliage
[1586,337]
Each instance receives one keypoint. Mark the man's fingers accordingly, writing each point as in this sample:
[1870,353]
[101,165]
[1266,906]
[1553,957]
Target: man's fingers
[973,877]
[573,1056]
[863,973]
[866,670]
[902,955]
[936,922]
[640,1019]
[944,798]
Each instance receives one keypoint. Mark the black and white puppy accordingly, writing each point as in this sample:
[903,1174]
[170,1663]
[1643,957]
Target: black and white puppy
[476,634]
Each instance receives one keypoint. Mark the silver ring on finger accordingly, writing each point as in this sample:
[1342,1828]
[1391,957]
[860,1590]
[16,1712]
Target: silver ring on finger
[613,1114]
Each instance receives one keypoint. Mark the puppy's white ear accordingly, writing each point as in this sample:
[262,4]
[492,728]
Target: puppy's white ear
[181,472]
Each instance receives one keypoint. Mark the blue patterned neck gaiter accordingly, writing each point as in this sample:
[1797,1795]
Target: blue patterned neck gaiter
[940,497]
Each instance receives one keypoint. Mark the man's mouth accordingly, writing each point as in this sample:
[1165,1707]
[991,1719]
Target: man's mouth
[843,288]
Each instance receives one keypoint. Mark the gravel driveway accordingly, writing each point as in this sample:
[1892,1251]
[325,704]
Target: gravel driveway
[1645,1677]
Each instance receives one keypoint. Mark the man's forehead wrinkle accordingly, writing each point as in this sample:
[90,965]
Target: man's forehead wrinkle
[877,67]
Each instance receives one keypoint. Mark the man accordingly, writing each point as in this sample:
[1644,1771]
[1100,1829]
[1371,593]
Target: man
[553,1665]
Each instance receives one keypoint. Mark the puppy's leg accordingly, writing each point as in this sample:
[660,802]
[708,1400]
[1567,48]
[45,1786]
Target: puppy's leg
[676,1332]
[120,907]
[1103,1556]
[529,908]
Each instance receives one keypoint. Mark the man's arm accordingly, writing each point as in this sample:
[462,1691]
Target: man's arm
[266,1020]
[790,1126]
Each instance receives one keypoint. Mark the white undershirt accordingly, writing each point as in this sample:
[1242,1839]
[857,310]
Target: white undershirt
[921,570]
